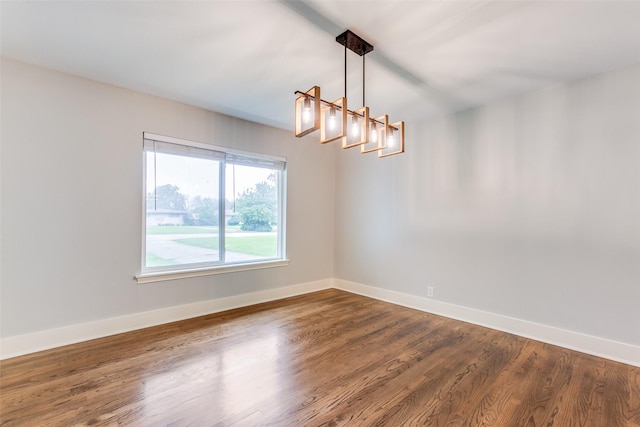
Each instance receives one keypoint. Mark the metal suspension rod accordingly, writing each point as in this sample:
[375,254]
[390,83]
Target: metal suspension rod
[363,103]
[345,70]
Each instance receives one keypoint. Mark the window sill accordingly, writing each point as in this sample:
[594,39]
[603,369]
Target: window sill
[185,274]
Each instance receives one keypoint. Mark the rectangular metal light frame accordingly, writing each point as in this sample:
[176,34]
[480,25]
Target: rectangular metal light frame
[348,141]
[340,105]
[313,95]
[382,123]
[398,145]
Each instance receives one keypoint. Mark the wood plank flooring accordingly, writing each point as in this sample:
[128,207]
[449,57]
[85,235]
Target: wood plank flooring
[329,358]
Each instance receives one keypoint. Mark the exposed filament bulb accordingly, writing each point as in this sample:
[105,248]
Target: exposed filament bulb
[306,110]
[355,128]
[332,118]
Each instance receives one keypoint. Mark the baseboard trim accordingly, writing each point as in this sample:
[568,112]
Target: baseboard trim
[52,338]
[596,346]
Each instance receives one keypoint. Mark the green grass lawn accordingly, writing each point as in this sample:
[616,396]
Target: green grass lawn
[154,261]
[265,246]
[193,229]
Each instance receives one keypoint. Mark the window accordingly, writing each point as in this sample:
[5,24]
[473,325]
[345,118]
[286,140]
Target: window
[209,207]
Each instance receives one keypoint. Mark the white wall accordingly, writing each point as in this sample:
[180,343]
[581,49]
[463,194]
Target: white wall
[71,206]
[528,208]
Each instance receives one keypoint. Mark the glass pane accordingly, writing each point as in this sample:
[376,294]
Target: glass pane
[252,216]
[182,210]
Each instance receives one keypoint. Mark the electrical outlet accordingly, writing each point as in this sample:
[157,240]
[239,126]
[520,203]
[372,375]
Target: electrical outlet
[429,291]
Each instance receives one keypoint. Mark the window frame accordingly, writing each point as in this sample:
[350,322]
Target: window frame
[226,156]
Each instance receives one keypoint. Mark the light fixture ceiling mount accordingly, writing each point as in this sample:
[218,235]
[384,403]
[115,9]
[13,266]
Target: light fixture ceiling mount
[354,43]
[353,127]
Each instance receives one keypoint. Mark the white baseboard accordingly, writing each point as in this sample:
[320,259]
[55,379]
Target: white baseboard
[601,347]
[51,338]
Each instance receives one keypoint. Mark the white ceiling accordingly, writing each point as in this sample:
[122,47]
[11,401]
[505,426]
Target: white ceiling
[246,58]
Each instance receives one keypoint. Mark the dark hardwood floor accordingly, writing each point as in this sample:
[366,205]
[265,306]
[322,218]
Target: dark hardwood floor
[324,359]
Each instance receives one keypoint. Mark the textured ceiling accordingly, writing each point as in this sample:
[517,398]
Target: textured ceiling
[246,58]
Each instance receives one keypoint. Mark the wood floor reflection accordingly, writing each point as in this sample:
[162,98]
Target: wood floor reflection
[324,359]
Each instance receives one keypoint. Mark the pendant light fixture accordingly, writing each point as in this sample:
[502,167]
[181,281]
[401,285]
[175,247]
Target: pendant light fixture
[353,127]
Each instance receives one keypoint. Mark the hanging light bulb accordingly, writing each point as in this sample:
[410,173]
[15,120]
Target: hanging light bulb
[374,132]
[307,107]
[306,110]
[390,138]
[332,118]
[355,128]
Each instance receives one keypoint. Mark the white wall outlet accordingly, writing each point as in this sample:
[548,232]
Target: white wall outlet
[429,291]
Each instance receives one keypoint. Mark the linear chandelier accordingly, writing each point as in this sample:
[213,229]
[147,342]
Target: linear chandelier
[353,127]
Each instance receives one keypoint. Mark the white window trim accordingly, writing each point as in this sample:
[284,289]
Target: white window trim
[156,274]
[198,272]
